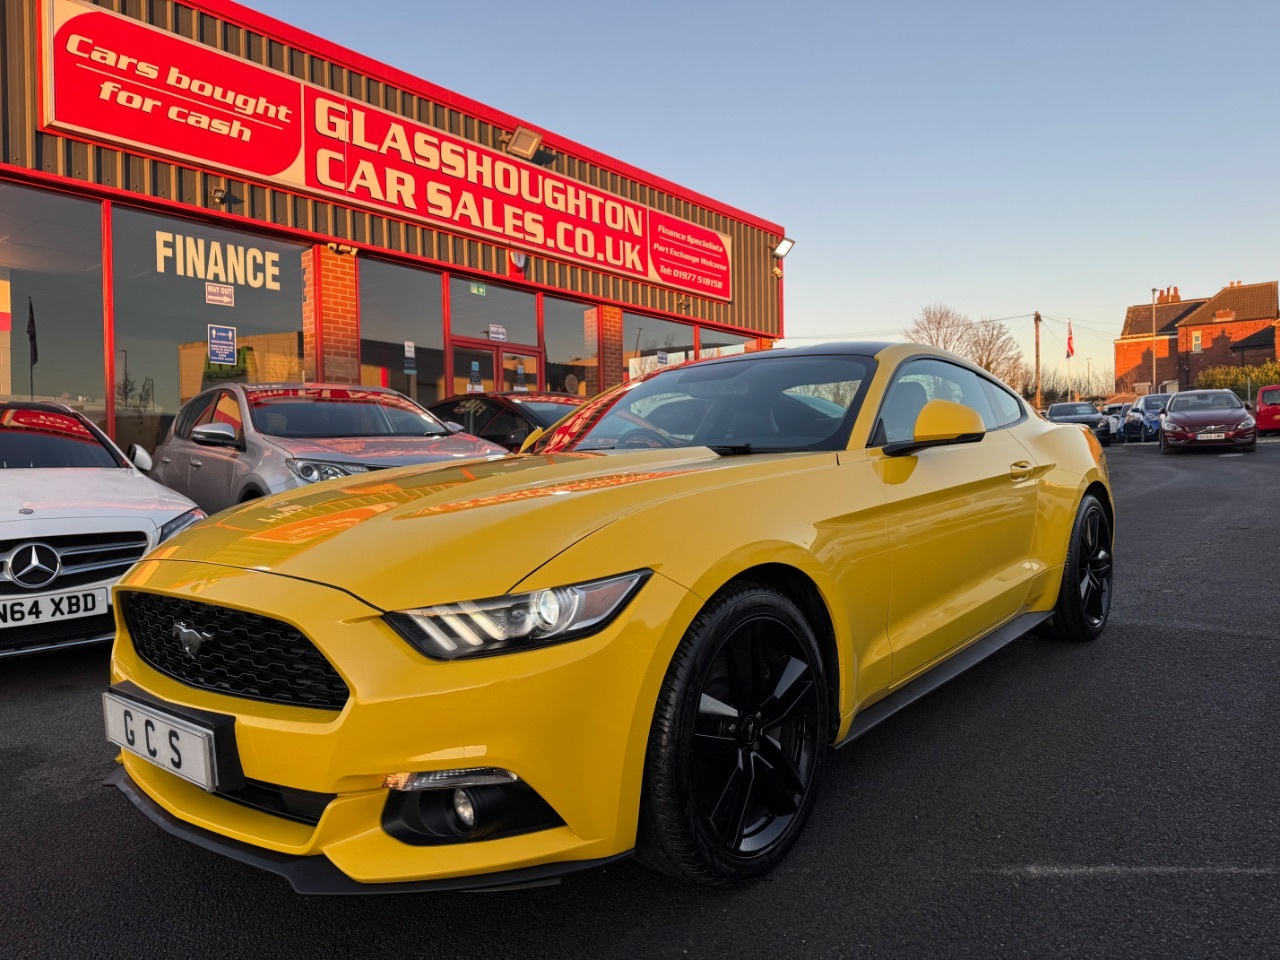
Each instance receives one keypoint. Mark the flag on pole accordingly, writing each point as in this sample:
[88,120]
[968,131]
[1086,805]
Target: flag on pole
[1071,343]
[31,331]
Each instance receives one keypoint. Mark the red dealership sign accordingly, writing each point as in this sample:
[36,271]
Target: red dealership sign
[110,78]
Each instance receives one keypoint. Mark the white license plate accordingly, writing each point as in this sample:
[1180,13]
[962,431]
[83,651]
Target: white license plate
[171,743]
[1211,436]
[48,607]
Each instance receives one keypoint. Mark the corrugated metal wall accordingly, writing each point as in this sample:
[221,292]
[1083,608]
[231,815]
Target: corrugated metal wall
[755,305]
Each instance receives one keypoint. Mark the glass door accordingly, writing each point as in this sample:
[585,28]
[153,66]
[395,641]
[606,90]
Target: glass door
[472,370]
[520,372]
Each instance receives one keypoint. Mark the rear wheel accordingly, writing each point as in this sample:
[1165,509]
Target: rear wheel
[739,737]
[1084,599]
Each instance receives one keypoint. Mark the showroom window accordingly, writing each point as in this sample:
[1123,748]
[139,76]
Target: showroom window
[485,311]
[713,343]
[196,306]
[569,359]
[51,270]
[649,344]
[401,330]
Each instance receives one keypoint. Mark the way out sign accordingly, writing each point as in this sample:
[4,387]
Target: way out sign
[222,344]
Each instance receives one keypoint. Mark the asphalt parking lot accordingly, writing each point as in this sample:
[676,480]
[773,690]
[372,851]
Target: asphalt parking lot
[1114,799]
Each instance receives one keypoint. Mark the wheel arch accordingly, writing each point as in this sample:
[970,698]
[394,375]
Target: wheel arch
[800,589]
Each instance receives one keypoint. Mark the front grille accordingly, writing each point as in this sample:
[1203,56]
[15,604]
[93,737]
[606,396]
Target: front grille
[243,655]
[86,558]
[37,636]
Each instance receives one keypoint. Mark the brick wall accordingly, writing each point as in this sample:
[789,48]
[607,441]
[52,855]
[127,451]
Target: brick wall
[610,355]
[331,310]
[1133,362]
[1215,346]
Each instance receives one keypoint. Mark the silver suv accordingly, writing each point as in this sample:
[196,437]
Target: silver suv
[241,441]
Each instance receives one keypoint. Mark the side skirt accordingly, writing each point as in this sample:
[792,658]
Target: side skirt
[949,669]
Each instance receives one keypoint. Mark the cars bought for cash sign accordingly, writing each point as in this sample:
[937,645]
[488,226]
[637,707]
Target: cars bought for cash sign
[110,78]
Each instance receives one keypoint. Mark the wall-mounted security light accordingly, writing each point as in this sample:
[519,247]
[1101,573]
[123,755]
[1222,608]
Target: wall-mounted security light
[219,195]
[342,249]
[784,247]
[521,143]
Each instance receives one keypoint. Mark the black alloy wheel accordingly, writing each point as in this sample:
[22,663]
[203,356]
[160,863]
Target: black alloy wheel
[1084,599]
[739,736]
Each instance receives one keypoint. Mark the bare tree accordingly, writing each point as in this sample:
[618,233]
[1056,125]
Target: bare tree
[991,346]
[940,326]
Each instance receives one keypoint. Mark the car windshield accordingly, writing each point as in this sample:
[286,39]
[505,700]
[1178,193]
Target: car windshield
[756,405]
[34,438]
[547,412]
[1198,402]
[1072,410]
[301,412]
[1152,402]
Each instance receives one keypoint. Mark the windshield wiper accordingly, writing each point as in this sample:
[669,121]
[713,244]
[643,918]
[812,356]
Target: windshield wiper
[745,449]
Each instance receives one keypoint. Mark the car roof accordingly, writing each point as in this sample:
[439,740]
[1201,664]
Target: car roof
[45,406]
[301,385]
[514,395]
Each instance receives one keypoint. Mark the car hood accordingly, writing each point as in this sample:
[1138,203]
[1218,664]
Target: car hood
[1209,418]
[446,532]
[388,451]
[73,493]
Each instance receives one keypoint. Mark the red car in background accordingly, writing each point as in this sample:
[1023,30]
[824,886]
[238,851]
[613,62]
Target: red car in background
[1268,408]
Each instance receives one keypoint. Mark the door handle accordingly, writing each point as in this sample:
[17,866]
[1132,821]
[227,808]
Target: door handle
[164,460]
[1021,469]
[197,463]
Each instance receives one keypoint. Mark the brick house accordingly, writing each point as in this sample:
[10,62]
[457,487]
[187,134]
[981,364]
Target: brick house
[1238,325]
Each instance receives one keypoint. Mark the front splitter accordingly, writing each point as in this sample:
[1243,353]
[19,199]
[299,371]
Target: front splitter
[317,875]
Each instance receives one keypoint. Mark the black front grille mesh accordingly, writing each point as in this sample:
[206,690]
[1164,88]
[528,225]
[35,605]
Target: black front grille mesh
[243,654]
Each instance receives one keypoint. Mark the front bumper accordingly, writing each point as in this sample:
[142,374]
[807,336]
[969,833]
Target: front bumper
[571,720]
[1233,438]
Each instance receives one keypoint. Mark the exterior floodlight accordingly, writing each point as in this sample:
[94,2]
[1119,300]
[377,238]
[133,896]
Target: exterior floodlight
[522,143]
[784,247]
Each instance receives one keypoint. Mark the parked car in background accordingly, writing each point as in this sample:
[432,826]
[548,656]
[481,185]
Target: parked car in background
[1267,411]
[505,418]
[1143,420]
[1084,414]
[1116,413]
[75,514]
[242,441]
[1207,418]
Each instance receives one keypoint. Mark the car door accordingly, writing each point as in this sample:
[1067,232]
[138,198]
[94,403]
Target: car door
[213,469]
[961,516]
[173,458]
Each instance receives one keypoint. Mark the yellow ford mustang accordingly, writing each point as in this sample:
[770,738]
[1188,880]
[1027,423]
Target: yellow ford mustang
[643,636]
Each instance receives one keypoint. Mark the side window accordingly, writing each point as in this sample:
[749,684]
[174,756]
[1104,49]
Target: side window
[500,427]
[1007,407]
[227,410]
[472,412]
[918,382]
[196,412]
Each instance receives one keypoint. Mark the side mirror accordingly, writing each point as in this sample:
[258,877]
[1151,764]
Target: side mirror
[1163,411]
[531,439]
[453,426]
[941,423]
[215,435]
[140,458]
[1248,406]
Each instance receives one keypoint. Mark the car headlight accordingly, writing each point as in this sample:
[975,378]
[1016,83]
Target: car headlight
[180,523]
[521,621]
[1171,426]
[1246,423]
[313,471]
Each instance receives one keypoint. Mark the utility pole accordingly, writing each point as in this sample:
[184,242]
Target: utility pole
[1154,387]
[1039,403]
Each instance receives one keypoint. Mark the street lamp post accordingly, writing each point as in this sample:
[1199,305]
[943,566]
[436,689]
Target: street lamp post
[1154,290]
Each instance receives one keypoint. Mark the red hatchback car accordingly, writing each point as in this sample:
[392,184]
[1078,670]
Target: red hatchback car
[1268,412]
[1207,418]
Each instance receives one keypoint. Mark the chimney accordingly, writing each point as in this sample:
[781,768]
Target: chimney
[1176,296]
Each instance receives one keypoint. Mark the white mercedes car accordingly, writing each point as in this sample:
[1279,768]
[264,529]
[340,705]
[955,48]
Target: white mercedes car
[75,514]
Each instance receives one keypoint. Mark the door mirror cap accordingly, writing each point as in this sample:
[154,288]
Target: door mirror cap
[140,458]
[1248,406]
[453,426]
[941,423]
[215,435]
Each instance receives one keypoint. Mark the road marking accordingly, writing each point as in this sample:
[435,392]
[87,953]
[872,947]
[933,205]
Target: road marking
[1230,455]
[1114,870]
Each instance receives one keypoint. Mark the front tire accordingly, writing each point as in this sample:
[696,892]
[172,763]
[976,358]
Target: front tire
[740,733]
[1084,599]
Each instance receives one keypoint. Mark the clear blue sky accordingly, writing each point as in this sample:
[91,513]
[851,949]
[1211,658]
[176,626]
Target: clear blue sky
[997,157]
